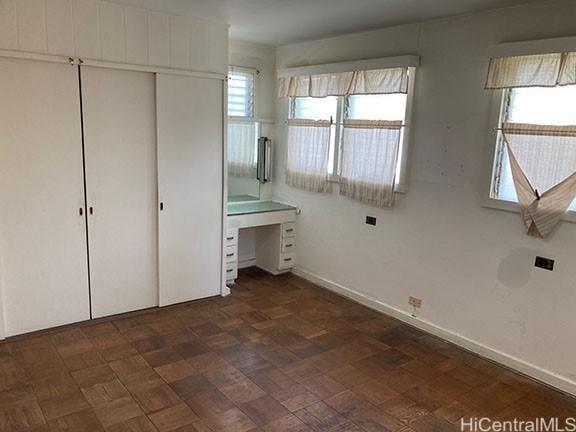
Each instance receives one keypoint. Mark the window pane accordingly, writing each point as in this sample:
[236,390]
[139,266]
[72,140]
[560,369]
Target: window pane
[325,108]
[380,107]
[316,108]
[377,107]
[541,105]
[240,94]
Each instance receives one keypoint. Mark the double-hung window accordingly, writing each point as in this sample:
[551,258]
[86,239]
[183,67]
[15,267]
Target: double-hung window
[337,109]
[535,154]
[243,129]
[358,132]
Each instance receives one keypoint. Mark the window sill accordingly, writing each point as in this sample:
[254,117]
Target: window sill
[513,207]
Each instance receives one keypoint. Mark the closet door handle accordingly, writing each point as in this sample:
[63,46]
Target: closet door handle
[81,211]
[161,206]
[91,210]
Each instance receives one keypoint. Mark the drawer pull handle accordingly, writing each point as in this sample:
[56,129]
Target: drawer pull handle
[229,238]
[287,259]
[230,255]
[289,245]
[289,229]
[229,270]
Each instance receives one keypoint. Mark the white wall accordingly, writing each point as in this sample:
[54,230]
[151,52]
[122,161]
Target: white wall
[472,266]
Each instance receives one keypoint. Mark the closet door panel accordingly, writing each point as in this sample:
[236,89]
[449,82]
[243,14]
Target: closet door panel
[189,116]
[120,145]
[43,261]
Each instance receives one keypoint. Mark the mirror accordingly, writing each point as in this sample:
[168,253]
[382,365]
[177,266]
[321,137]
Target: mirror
[249,158]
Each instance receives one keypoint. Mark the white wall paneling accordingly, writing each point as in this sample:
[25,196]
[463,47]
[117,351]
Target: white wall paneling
[120,149]
[190,146]
[87,29]
[42,234]
[103,30]
[136,36]
[31,25]
[158,39]
[179,43]
[59,27]
[113,32]
[8,25]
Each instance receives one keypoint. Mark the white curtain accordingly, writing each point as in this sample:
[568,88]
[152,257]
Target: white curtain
[307,161]
[381,81]
[543,164]
[540,70]
[369,158]
[242,149]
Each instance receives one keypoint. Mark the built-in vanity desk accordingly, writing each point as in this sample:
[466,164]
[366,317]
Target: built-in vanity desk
[275,235]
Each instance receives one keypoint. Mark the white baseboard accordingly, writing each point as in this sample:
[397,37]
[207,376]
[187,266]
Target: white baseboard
[545,376]
[244,262]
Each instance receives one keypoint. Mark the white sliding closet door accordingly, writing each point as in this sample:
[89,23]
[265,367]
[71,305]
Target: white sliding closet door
[189,116]
[43,261]
[121,184]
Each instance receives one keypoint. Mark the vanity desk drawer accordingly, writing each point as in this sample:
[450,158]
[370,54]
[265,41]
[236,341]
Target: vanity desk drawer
[231,253]
[231,271]
[288,244]
[287,260]
[231,237]
[289,229]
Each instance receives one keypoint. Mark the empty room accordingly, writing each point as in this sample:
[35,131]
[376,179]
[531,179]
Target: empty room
[287,216]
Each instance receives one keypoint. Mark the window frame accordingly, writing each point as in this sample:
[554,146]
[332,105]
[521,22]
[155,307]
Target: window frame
[401,182]
[498,110]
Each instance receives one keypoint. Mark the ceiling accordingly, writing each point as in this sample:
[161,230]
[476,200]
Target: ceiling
[279,22]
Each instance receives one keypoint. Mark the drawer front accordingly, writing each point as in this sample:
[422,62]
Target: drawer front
[288,244]
[231,271]
[289,229]
[287,260]
[231,237]
[231,253]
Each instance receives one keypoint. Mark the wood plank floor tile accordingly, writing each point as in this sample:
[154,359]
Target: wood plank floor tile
[233,420]
[117,411]
[264,410]
[82,421]
[173,418]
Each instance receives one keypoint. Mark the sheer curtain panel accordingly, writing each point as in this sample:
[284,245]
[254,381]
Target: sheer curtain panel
[307,159]
[369,157]
[242,149]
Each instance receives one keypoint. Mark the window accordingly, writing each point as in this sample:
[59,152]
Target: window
[356,107]
[241,93]
[243,129]
[525,105]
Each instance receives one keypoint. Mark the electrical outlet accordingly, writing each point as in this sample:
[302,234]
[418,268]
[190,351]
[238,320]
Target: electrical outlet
[370,220]
[545,263]
[416,302]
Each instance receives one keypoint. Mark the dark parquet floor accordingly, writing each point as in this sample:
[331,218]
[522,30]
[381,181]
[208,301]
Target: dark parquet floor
[279,354]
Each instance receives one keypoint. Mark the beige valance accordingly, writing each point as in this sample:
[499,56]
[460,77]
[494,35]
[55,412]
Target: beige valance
[539,70]
[377,81]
